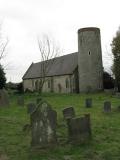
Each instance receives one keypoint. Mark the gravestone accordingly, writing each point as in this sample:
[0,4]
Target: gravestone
[20,101]
[117,94]
[43,125]
[4,100]
[31,107]
[79,129]
[68,112]
[107,107]
[38,100]
[88,103]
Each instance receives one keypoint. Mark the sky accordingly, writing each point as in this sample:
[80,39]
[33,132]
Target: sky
[24,20]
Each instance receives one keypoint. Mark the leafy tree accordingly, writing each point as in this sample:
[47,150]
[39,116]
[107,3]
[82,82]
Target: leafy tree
[20,87]
[2,78]
[116,60]
[108,81]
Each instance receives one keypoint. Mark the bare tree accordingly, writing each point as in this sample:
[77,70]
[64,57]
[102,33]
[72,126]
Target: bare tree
[48,52]
[3,45]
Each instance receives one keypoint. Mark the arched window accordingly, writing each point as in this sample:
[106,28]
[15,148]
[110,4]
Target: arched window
[67,83]
[36,85]
[48,84]
[89,53]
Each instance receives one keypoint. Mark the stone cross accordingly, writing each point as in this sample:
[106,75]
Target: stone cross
[20,101]
[4,100]
[68,112]
[107,107]
[31,107]
[79,129]
[88,103]
[43,124]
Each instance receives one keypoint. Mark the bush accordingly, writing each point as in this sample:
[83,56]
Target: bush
[108,81]
[20,88]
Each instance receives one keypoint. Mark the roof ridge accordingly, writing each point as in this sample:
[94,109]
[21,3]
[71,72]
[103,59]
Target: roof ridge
[58,57]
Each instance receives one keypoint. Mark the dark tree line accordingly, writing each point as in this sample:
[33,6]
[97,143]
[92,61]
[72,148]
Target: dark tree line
[116,58]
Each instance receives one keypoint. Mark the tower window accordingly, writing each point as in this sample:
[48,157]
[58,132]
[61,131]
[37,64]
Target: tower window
[89,53]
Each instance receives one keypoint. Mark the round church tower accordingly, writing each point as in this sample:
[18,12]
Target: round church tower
[90,68]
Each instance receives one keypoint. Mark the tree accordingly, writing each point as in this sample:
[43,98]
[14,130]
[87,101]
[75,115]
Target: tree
[2,78]
[108,81]
[116,60]
[3,45]
[48,52]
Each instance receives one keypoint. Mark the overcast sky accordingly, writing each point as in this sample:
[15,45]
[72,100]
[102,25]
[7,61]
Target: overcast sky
[23,20]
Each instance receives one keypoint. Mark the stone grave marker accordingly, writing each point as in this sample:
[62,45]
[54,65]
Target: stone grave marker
[31,107]
[4,100]
[68,112]
[117,94]
[79,129]
[107,106]
[88,103]
[43,126]
[20,101]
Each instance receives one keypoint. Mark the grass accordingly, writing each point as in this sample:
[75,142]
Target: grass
[105,143]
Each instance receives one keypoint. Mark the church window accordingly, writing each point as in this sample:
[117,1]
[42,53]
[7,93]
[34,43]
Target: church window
[48,83]
[67,83]
[89,53]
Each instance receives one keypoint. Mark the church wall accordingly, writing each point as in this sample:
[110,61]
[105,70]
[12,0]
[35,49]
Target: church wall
[57,84]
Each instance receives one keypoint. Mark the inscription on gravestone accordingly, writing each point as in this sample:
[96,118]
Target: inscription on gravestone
[107,107]
[68,112]
[43,123]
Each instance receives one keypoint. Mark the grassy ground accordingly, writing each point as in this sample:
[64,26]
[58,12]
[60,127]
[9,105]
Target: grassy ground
[105,143]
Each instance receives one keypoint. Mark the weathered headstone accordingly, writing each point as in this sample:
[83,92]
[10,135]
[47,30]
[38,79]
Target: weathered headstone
[43,125]
[31,107]
[4,100]
[88,103]
[79,129]
[20,101]
[107,107]
[117,94]
[68,112]
[38,100]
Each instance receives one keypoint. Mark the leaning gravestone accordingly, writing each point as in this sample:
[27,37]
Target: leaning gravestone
[31,107]
[68,112]
[4,100]
[88,103]
[43,125]
[20,101]
[79,129]
[107,107]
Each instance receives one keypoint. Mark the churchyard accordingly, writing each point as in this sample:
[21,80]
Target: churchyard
[16,142]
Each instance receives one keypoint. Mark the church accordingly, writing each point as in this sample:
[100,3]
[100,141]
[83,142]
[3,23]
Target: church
[77,72]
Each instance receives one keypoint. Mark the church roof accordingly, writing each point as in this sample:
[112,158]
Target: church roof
[62,65]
